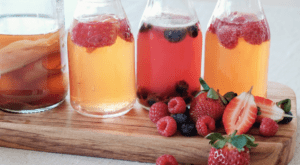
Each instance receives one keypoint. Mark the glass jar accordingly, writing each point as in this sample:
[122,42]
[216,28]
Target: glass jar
[101,59]
[237,46]
[33,75]
[169,47]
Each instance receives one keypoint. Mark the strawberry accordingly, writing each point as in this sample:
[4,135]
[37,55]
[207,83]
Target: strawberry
[234,149]
[268,127]
[269,109]
[208,102]
[240,114]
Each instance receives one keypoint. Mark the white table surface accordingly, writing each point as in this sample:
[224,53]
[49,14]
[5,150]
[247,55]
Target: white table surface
[284,67]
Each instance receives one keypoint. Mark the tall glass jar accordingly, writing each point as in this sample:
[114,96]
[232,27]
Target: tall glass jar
[169,47]
[237,47]
[33,74]
[101,59]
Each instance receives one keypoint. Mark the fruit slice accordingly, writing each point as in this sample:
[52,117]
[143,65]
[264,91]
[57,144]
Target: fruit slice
[240,114]
[268,109]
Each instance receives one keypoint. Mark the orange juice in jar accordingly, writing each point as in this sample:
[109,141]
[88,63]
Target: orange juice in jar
[101,66]
[237,52]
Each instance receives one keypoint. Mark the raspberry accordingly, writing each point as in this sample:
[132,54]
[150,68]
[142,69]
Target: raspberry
[166,160]
[124,31]
[177,105]
[157,111]
[228,36]
[205,125]
[268,127]
[180,119]
[255,32]
[95,34]
[166,126]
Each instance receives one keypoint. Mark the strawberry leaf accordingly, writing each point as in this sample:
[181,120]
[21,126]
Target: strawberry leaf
[219,144]
[214,137]
[203,84]
[229,96]
[285,105]
[239,141]
[212,94]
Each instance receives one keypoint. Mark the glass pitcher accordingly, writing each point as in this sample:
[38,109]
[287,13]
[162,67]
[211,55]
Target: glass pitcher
[33,74]
[169,47]
[101,59]
[237,46]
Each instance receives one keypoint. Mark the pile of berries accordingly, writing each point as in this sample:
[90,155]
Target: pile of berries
[175,117]
[238,115]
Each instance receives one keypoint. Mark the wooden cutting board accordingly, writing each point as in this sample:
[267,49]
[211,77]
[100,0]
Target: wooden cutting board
[133,136]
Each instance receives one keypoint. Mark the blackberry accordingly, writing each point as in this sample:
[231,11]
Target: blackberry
[145,27]
[180,119]
[181,87]
[193,31]
[142,93]
[286,120]
[188,129]
[188,99]
[175,34]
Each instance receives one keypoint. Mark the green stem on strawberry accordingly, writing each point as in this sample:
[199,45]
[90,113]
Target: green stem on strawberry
[285,105]
[211,93]
[238,141]
[204,84]
[229,96]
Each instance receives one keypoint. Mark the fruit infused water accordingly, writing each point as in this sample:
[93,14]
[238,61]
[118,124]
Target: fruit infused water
[236,53]
[168,60]
[32,70]
[101,66]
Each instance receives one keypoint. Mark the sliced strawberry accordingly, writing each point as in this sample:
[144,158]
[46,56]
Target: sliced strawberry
[240,114]
[268,109]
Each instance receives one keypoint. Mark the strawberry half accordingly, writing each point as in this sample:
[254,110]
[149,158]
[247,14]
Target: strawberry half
[233,149]
[240,114]
[269,109]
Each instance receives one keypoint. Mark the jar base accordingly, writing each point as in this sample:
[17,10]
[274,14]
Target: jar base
[27,111]
[101,114]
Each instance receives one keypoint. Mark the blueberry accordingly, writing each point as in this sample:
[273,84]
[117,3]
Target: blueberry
[286,120]
[180,119]
[188,129]
[145,27]
[193,31]
[175,34]
[151,102]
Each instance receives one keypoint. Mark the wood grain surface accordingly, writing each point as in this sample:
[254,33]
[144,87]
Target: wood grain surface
[133,136]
